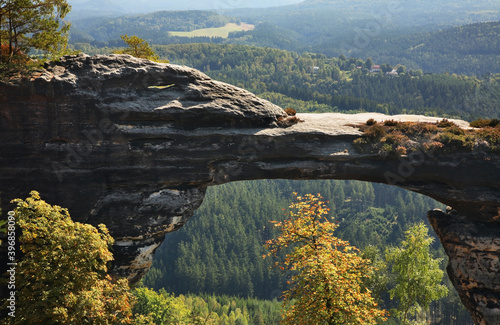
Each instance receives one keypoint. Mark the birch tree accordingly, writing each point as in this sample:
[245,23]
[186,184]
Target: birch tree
[417,274]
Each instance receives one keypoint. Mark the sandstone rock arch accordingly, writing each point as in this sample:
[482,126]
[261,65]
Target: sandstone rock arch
[134,144]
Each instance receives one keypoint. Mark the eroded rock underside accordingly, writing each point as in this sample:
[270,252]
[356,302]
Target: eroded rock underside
[134,144]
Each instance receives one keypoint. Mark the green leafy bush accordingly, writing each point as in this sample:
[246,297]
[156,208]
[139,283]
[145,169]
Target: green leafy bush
[453,141]
[63,276]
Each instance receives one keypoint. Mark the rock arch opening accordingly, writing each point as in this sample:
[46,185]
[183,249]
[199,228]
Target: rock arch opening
[232,223]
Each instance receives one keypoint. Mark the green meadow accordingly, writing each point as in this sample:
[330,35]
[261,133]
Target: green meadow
[215,32]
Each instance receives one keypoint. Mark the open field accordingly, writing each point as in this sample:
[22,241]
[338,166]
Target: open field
[216,32]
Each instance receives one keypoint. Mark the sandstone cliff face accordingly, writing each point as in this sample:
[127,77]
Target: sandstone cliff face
[134,144]
[474,265]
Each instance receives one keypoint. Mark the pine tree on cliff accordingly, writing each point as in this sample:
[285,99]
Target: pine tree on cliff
[32,25]
[139,48]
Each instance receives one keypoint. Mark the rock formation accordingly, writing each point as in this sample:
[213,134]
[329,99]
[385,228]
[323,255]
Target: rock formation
[474,265]
[134,144]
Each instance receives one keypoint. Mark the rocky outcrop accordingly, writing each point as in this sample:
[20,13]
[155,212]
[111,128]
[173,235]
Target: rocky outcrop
[133,144]
[474,262]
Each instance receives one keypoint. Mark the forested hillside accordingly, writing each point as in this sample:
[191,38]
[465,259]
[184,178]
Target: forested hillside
[311,16]
[339,84]
[219,250]
[409,33]
[154,27]
[469,49]
[383,30]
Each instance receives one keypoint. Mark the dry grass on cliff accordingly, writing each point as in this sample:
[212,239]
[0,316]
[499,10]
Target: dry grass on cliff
[393,138]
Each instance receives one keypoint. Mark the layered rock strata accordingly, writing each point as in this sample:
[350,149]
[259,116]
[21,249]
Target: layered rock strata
[474,262]
[134,144]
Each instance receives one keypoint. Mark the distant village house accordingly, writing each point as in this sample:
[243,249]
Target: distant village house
[393,73]
[375,68]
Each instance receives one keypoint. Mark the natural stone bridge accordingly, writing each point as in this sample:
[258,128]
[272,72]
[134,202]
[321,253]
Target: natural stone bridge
[134,144]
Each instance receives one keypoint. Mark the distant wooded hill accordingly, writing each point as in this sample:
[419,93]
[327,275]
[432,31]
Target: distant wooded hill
[469,49]
[153,27]
[317,15]
[316,83]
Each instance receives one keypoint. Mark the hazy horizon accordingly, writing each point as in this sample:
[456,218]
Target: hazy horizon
[141,6]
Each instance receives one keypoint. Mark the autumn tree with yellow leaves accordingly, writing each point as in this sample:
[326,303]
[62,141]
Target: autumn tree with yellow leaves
[328,274]
[62,276]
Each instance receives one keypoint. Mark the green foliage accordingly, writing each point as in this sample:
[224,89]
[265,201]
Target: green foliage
[62,276]
[161,308]
[379,278]
[417,273]
[139,48]
[453,141]
[233,221]
[31,25]
[328,274]
[219,250]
